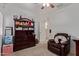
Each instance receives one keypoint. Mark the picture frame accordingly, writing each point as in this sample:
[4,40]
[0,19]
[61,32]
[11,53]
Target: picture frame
[8,31]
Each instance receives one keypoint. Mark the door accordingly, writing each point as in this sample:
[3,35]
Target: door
[1,32]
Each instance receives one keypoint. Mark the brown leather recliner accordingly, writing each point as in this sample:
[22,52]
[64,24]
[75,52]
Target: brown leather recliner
[59,48]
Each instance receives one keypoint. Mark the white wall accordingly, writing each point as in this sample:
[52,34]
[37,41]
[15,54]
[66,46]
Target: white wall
[66,20]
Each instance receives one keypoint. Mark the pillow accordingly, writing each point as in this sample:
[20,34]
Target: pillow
[63,39]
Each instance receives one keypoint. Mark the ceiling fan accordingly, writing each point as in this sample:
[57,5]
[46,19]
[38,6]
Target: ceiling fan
[47,5]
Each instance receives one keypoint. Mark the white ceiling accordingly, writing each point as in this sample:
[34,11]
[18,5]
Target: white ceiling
[36,7]
[31,8]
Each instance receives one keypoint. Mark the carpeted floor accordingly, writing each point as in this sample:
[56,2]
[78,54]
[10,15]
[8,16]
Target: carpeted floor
[38,50]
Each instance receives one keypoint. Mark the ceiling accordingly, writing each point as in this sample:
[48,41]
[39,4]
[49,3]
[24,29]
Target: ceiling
[34,8]
[37,6]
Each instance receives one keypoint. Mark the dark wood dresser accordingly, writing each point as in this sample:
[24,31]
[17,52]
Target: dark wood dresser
[24,34]
[77,47]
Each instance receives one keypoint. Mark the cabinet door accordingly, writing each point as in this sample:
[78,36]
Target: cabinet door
[77,48]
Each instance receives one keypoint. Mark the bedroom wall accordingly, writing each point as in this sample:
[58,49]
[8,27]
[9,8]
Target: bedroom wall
[66,20]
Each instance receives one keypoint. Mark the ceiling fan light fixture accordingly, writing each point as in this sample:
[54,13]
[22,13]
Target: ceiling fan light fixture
[44,4]
[48,4]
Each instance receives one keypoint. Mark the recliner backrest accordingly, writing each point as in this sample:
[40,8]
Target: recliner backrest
[62,34]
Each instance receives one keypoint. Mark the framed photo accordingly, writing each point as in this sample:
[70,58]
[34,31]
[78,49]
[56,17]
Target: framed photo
[9,31]
[8,40]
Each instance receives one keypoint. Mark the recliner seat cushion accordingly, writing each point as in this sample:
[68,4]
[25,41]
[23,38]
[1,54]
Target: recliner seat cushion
[63,39]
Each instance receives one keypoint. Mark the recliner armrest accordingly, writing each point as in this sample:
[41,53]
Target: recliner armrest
[51,40]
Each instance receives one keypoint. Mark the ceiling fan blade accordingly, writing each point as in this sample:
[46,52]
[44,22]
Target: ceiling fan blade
[52,6]
[42,7]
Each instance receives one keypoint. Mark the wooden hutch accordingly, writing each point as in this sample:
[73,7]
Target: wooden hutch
[24,33]
[77,46]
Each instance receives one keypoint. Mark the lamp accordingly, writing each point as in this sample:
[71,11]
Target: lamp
[46,4]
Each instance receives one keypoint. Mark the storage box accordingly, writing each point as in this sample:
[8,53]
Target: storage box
[7,50]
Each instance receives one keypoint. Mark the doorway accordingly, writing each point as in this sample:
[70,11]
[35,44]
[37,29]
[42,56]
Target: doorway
[1,31]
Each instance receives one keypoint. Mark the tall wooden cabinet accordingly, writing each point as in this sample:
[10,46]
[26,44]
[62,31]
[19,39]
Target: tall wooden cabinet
[77,47]
[24,33]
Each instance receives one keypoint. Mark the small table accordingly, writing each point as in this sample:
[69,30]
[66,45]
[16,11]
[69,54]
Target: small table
[77,47]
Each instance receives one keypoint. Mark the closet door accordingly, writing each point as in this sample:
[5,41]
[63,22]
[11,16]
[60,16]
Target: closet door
[1,32]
